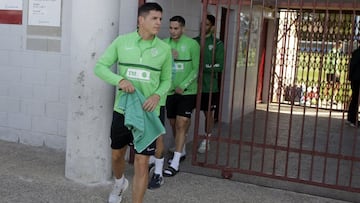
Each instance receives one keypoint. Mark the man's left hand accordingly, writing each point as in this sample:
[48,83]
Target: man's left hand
[151,103]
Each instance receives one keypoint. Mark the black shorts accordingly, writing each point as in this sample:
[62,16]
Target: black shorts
[122,136]
[162,115]
[180,105]
[205,97]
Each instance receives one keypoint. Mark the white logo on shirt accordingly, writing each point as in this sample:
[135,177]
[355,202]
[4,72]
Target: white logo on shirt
[154,52]
[138,74]
[179,66]
[183,48]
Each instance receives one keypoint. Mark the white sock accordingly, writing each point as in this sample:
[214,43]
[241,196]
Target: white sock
[159,164]
[183,153]
[152,159]
[120,181]
[175,161]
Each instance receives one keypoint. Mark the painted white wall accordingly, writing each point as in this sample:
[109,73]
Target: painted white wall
[34,87]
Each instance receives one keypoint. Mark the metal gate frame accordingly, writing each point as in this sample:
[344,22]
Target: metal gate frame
[294,143]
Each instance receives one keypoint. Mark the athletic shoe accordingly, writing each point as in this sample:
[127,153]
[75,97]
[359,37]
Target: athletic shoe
[116,194]
[202,147]
[156,181]
[352,124]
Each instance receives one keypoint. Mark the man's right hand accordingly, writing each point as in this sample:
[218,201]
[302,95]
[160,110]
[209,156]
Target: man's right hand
[126,86]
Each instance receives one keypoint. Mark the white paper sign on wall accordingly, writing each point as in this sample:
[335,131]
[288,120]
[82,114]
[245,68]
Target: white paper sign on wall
[44,12]
[11,4]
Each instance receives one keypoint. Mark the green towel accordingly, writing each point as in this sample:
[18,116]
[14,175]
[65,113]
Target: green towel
[145,126]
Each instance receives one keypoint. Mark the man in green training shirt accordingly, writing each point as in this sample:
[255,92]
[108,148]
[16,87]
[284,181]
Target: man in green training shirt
[144,65]
[182,95]
[210,86]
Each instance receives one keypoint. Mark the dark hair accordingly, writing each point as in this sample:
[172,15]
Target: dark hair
[147,7]
[211,18]
[178,19]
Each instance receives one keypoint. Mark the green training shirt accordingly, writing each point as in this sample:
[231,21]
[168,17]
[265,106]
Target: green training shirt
[186,64]
[208,67]
[146,63]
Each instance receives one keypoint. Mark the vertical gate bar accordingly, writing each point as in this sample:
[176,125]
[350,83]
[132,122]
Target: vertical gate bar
[222,84]
[246,70]
[271,81]
[241,114]
[349,48]
[288,28]
[280,92]
[329,120]
[342,127]
[212,76]
[316,120]
[355,131]
[291,106]
[233,88]
[245,82]
[272,78]
[315,133]
[322,70]
[302,123]
[328,131]
[200,78]
[257,81]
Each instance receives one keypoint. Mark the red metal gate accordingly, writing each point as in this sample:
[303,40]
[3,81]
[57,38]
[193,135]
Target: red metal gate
[297,132]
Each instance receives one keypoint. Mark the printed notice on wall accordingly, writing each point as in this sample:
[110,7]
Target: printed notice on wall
[11,5]
[45,12]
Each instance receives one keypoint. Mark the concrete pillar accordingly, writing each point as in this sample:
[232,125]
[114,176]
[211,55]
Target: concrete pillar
[88,158]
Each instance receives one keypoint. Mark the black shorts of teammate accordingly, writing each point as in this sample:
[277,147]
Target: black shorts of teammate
[162,115]
[122,136]
[205,97]
[180,105]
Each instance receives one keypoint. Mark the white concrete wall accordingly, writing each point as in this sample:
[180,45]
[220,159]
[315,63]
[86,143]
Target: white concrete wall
[33,87]
[189,9]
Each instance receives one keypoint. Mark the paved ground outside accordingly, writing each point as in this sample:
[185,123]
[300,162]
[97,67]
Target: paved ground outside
[36,175]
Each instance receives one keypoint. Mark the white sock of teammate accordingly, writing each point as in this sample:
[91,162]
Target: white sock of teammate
[159,164]
[120,181]
[176,160]
[152,159]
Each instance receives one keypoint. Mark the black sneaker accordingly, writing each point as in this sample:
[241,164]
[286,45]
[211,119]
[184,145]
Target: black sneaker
[351,124]
[156,181]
